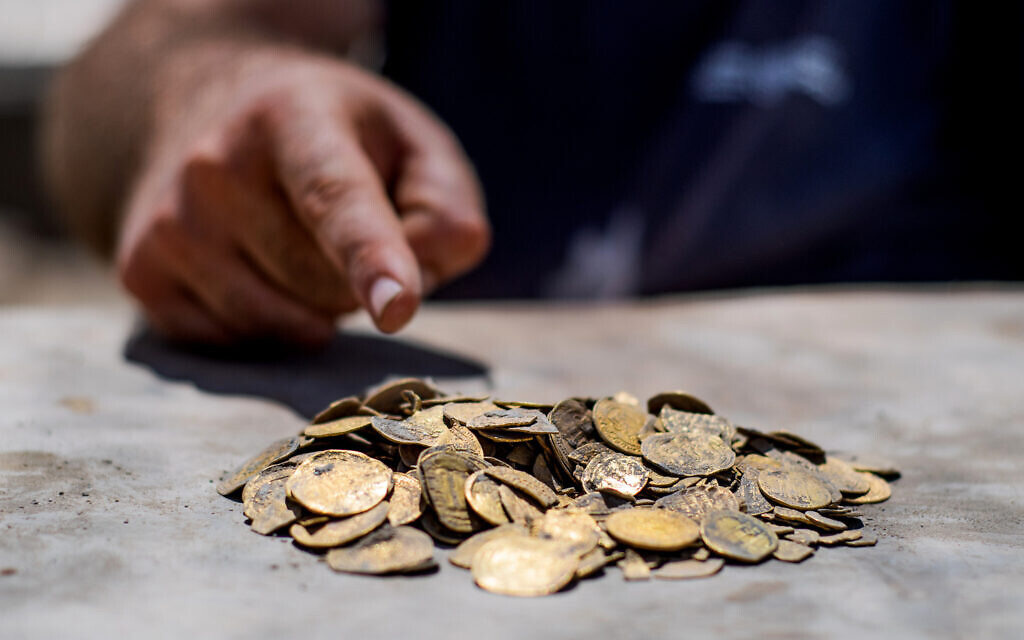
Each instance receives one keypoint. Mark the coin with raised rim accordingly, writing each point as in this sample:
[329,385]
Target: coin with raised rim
[737,536]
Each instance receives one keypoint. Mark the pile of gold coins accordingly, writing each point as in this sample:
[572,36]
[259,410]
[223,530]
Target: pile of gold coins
[534,496]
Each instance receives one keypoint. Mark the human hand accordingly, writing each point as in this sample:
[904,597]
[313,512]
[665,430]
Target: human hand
[298,190]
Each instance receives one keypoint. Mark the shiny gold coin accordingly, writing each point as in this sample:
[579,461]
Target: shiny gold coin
[425,433]
[688,454]
[694,502]
[689,569]
[463,554]
[615,473]
[576,529]
[406,501]
[277,451]
[679,400]
[652,529]
[524,566]
[844,477]
[737,536]
[345,407]
[388,398]
[482,496]
[443,476]
[794,489]
[788,551]
[338,426]
[525,483]
[878,490]
[339,483]
[619,425]
[386,550]
[338,532]
[265,501]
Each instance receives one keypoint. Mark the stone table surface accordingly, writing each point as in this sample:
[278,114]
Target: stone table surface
[110,444]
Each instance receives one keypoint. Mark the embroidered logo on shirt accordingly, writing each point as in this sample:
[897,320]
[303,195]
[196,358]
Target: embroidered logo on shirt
[738,72]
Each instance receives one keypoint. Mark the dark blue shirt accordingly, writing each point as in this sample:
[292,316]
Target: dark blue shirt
[643,146]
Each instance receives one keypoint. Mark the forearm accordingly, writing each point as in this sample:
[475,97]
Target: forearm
[152,66]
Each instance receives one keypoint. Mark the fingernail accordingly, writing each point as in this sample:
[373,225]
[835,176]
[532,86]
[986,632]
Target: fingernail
[383,291]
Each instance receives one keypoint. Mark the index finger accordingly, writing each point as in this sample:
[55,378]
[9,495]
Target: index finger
[338,195]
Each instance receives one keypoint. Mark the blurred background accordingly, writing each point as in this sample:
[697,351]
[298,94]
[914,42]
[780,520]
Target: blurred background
[38,264]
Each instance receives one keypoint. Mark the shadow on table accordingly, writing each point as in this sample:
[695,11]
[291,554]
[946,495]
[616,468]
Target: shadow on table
[305,381]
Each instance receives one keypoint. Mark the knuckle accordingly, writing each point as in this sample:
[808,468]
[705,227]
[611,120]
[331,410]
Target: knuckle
[469,236]
[321,195]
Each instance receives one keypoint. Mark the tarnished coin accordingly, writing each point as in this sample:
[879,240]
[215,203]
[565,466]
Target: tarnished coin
[594,561]
[424,431]
[866,539]
[525,483]
[443,476]
[277,451]
[575,528]
[339,483]
[737,536]
[850,535]
[824,522]
[794,489]
[652,529]
[844,477]
[338,426]
[785,514]
[386,550]
[808,537]
[266,502]
[462,412]
[696,501]
[462,439]
[634,567]
[463,554]
[388,398]
[687,569]
[338,532]
[572,419]
[518,508]
[345,407]
[406,501]
[674,421]
[615,473]
[679,400]
[505,436]
[878,490]
[482,496]
[754,502]
[619,425]
[524,566]
[788,551]
[503,419]
[688,454]
[583,455]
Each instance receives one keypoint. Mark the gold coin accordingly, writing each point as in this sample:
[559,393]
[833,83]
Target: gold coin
[850,535]
[786,514]
[576,529]
[482,496]
[388,398]
[338,532]
[463,554]
[878,490]
[406,502]
[462,412]
[425,433]
[844,477]
[615,473]
[386,550]
[583,455]
[502,419]
[572,419]
[443,476]
[748,492]
[688,569]
[679,400]
[696,501]
[526,483]
[505,436]
[737,536]
[874,464]
[619,425]
[634,567]
[524,566]
[518,509]
[339,483]
[277,451]
[674,421]
[688,454]
[794,489]
[594,561]
[652,529]
[265,501]
[338,426]
[788,551]
[824,522]
[804,536]
[339,409]
[462,439]
[866,539]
